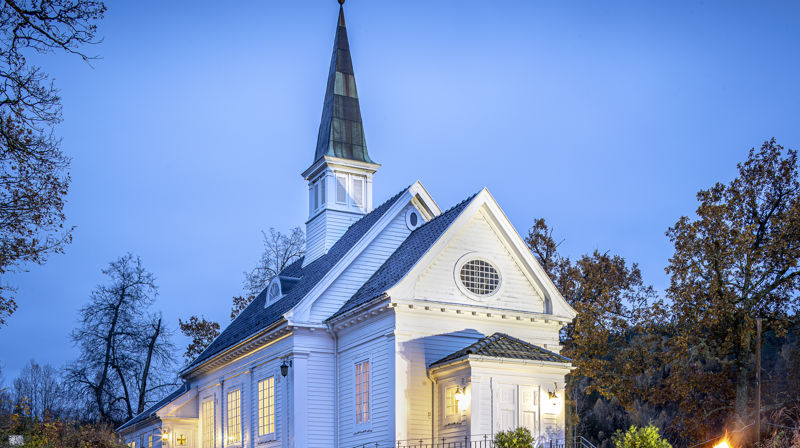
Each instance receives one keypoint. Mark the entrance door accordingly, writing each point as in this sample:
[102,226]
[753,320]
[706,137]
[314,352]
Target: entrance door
[528,408]
[506,416]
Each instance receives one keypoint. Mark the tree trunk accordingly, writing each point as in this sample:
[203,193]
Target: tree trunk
[146,370]
[743,374]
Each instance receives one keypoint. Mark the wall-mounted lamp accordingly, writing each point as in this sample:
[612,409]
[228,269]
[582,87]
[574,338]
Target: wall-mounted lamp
[285,368]
[553,397]
[165,435]
[461,399]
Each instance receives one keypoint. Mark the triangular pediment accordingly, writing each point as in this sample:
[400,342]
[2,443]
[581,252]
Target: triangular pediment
[481,260]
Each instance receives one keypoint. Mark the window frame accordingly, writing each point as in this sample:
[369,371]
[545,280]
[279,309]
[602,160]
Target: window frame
[269,436]
[473,256]
[341,187]
[227,424]
[457,416]
[363,425]
[203,423]
[363,181]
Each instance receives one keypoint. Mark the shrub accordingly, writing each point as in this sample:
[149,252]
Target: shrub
[514,438]
[636,437]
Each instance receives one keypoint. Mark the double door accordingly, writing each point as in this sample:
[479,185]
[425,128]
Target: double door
[516,406]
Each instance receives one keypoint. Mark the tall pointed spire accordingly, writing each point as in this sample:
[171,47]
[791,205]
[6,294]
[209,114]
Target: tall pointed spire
[341,132]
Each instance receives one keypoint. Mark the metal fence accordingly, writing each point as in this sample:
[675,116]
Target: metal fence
[474,441]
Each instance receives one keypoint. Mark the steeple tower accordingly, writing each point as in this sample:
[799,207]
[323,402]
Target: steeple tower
[340,178]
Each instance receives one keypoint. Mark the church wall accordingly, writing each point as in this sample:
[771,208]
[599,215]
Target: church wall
[371,340]
[478,237]
[362,268]
[245,373]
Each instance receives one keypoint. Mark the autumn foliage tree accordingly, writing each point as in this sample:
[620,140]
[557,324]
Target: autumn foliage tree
[33,170]
[201,332]
[733,262]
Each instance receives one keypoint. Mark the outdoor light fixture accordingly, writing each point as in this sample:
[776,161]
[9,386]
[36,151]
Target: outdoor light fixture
[284,369]
[165,435]
[554,399]
[461,398]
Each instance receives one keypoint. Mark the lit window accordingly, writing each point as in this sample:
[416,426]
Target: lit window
[358,191]
[266,407]
[208,423]
[234,423]
[362,392]
[181,440]
[450,404]
[341,189]
[480,277]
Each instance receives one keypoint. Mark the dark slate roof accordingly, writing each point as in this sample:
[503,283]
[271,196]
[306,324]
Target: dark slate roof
[341,131]
[257,317]
[149,412]
[404,257]
[501,345]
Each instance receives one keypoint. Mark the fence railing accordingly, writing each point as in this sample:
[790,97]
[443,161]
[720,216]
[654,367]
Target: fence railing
[474,441]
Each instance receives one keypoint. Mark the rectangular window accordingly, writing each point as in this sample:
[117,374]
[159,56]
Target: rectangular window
[266,406]
[234,417]
[358,191]
[150,441]
[316,196]
[341,189]
[450,405]
[322,198]
[362,392]
[207,418]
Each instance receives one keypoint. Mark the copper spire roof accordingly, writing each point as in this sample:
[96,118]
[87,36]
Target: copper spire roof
[341,133]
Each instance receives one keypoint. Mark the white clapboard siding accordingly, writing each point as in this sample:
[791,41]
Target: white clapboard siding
[362,268]
[478,237]
[325,229]
[319,425]
[373,340]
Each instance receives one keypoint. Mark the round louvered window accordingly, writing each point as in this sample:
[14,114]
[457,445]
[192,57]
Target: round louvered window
[479,277]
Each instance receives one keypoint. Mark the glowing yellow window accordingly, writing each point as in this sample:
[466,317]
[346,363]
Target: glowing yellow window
[266,407]
[207,418]
[234,417]
[450,404]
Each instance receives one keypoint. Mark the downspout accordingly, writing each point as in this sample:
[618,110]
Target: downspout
[335,384]
[433,406]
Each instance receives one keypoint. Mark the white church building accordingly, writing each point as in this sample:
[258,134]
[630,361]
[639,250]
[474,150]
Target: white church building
[405,325]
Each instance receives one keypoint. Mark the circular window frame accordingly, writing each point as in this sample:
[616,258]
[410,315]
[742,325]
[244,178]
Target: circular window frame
[420,221]
[463,288]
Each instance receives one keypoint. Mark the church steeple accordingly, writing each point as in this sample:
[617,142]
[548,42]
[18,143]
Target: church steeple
[340,178]
[341,132]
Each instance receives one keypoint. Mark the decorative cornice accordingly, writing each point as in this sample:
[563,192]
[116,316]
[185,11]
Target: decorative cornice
[263,337]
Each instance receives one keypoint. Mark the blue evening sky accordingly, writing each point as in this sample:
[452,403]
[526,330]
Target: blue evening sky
[189,136]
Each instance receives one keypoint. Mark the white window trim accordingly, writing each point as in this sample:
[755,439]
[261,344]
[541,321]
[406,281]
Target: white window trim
[469,256]
[346,179]
[213,399]
[364,426]
[420,221]
[234,388]
[458,417]
[272,436]
[270,300]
